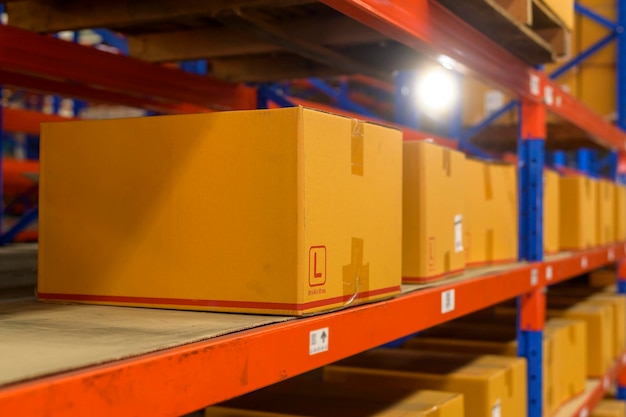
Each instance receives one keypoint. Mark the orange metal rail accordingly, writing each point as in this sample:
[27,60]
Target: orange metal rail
[184,379]
[27,121]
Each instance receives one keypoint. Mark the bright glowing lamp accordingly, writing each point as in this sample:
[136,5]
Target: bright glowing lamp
[437,90]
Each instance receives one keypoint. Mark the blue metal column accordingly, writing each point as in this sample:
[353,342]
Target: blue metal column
[407,112]
[1,169]
[531,306]
[620,67]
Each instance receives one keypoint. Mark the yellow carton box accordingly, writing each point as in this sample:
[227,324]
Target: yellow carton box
[491,206]
[432,238]
[571,355]
[343,401]
[550,211]
[287,211]
[620,212]
[609,408]
[605,203]
[451,342]
[577,208]
[564,10]
[600,344]
[491,385]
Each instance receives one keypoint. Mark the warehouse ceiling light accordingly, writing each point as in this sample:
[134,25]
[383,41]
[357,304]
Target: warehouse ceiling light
[437,90]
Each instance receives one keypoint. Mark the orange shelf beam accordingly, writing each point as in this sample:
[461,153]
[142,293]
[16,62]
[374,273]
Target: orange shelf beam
[180,380]
[27,121]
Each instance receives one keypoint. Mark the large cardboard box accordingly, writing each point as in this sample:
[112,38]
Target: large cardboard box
[616,302]
[577,208]
[498,340]
[433,215]
[571,356]
[491,385]
[550,211]
[320,401]
[600,341]
[605,203]
[491,206]
[620,212]
[609,408]
[287,211]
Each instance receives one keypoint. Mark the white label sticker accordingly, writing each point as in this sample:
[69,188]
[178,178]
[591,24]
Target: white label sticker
[458,233]
[534,85]
[447,301]
[584,412]
[611,255]
[496,410]
[534,277]
[549,272]
[548,95]
[494,101]
[583,262]
[318,341]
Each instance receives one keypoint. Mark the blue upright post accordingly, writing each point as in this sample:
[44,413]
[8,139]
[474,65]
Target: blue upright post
[531,306]
[1,169]
[407,113]
[583,161]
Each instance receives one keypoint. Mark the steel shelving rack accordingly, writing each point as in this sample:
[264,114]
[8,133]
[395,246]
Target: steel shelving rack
[226,366]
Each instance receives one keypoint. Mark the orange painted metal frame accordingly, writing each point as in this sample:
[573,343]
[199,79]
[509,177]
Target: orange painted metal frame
[612,375]
[27,121]
[184,379]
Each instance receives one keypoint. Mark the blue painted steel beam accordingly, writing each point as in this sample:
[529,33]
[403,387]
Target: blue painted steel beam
[474,130]
[531,159]
[574,62]
[341,97]
[113,39]
[197,66]
[584,161]
[25,221]
[1,169]
[530,346]
[558,159]
[273,93]
[592,15]
[407,112]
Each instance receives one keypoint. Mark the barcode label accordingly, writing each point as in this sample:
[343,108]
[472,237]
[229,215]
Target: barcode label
[447,301]
[458,233]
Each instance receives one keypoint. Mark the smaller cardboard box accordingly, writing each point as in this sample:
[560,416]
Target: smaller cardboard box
[550,211]
[602,278]
[491,385]
[600,340]
[564,10]
[264,403]
[492,218]
[577,208]
[620,212]
[609,408]
[432,238]
[605,203]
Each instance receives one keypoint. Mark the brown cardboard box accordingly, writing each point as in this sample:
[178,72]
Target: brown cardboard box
[620,212]
[550,211]
[609,408]
[491,207]
[432,238]
[577,208]
[601,278]
[605,203]
[340,400]
[562,340]
[491,385]
[284,211]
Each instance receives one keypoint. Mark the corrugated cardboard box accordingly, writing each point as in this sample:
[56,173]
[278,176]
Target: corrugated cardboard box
[620,212]
[550,211]
[344,401]
[600,344]
[491,206]
[577,228]
[609,408]
[491,385]
[499,339]
[287,211]
[605,203]
[432,217]
[601,278]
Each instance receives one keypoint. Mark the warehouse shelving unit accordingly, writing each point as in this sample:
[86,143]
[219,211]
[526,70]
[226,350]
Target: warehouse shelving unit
[219,368]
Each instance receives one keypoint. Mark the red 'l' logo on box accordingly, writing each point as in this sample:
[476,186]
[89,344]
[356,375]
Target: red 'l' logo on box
[317,266]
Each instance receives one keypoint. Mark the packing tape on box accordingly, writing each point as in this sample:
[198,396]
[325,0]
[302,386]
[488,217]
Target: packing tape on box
[357,148]
[356,275]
